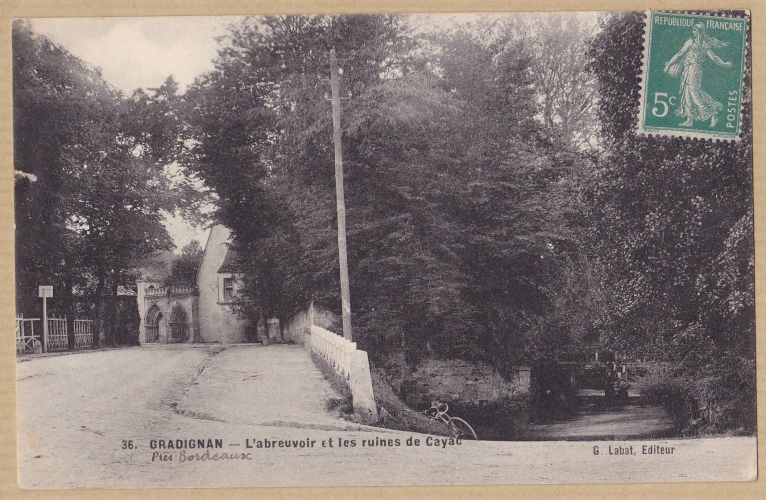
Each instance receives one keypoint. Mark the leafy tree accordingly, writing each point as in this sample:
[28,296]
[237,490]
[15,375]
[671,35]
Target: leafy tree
[454,192]
[101,189]
[184,268]
[559,70]
[675,229]
[48,84]
[468,194]
[257,127]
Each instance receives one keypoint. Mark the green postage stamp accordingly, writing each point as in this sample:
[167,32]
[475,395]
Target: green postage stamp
[693,76]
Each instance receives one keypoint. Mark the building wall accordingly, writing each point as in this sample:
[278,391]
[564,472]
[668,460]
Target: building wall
[217,320]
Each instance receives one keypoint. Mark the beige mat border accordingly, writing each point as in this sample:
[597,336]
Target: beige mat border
[82,8]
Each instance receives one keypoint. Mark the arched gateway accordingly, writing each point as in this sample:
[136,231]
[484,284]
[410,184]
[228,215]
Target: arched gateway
[153,317]
[179,326]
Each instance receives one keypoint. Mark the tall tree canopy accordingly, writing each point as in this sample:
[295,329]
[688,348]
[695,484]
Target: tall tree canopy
[674,219]
[101,186]
[460,206]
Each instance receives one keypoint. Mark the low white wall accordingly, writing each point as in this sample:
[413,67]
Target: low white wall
[351,364]
[334,349]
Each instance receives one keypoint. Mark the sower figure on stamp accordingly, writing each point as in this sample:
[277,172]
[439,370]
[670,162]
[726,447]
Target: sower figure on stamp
[695,103]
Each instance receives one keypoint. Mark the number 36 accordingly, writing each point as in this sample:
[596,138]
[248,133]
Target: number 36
[660,102]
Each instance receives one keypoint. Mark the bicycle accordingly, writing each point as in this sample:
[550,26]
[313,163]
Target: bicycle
[457,426]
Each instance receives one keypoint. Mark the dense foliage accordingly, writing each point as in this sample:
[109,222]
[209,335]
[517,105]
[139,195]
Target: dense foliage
[184,267]
[674,220]
[94,206]
[462,208]
[487,216]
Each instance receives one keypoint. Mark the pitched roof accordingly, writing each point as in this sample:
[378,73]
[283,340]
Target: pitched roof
[231,263]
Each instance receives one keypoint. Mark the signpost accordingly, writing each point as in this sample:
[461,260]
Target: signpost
[45,291]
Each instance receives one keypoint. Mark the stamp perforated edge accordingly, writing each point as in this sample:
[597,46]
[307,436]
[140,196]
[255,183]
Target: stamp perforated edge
[645,54]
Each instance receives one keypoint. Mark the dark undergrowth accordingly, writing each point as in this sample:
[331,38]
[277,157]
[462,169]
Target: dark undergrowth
[343,404]
[395,414]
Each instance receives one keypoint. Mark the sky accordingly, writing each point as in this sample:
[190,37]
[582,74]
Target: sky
[141,53]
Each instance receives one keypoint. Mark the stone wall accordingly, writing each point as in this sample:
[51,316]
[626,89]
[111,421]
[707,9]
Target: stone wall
[297,325]
[456,380]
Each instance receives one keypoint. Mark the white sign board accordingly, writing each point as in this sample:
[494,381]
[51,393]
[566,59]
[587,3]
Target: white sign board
[45,291]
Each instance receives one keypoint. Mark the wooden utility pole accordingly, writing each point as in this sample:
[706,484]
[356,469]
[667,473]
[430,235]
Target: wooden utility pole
[345,294]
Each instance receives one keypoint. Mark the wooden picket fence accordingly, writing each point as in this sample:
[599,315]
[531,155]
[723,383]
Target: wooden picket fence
[26,333]
[83,333]
[58,335]
[58,338]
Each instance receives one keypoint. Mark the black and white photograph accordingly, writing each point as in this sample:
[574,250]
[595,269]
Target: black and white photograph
[383,250]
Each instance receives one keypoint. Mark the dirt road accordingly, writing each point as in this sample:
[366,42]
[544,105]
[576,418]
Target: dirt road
[90,420]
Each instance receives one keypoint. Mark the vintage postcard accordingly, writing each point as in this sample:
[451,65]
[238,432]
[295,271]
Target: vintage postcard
[384,249]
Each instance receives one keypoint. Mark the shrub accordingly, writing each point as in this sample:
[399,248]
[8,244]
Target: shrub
[394,414]
[717,398]
[345,403]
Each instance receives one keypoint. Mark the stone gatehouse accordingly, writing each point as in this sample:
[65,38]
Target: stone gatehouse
[168,314]
[204,311]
